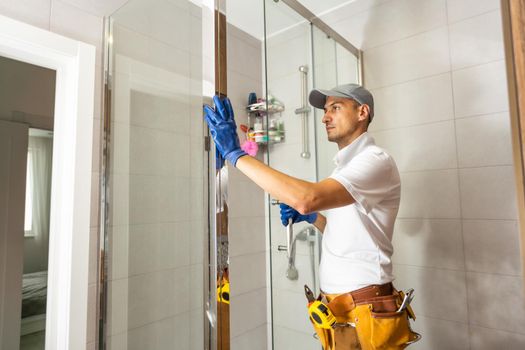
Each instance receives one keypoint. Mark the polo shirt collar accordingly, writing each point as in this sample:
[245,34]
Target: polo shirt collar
[346,154]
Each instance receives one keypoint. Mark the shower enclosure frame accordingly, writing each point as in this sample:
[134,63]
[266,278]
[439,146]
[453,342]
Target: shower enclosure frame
[315,22]
[210,242]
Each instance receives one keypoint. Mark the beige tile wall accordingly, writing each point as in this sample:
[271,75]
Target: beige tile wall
[437,71]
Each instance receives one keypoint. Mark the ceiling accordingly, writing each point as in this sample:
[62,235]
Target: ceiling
[248,14]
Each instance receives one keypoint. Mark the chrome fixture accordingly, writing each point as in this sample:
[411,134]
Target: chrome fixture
[304,110]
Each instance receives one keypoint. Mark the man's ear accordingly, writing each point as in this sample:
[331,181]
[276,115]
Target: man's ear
[364,112]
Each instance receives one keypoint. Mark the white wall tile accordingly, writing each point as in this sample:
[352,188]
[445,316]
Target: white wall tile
[241,198]
[156,152]
[95,198]
[74,23]
[129,42]
[488,193]
[158,295]
[280,265]
[480,89]
[420,101]
[496,301]
[393,20]
[428,243]
[197,241]
[285,338]
[158,246]
[34,12]
[347,66]
[286,57]
[197,287]
[174,330]
[247,273]
[488,339]
[92,321]
[244,55]
[247,235]
[490,246]
[476,40]
[287,158]
[162,334]
[171,58]
[430,194]
[197,157]
[252,304]
[461,9]
[289,309]
[170,23]
[117,342]
[255,339]
[440,334]
[349,9]
[118,307]
[484,140]
[118,255]
[416,57]
[97,144]
[197,330]
[93,255]
[432,291]
[425,147]
[197,199]
[159,112]
[97,7]
[135,16]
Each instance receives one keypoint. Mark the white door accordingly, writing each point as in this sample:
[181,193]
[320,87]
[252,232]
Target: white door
[13,162]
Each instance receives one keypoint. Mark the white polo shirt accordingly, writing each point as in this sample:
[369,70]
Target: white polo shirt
[357,240]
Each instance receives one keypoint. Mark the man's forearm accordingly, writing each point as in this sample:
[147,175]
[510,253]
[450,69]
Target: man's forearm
[285,188]
[320,222]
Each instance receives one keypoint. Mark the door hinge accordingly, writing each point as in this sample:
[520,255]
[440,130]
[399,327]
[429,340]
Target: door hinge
[207,143]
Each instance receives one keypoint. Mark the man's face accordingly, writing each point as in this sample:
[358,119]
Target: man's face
[342,118]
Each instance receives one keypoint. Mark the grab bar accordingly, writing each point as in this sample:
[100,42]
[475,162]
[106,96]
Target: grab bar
[304,110]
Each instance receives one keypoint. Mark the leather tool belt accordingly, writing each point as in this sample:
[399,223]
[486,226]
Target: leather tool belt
[376,313]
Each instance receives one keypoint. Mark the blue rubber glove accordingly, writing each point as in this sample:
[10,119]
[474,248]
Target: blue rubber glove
[288,212]
[219,161]
[223,129]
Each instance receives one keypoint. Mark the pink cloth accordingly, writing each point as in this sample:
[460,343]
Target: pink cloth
[250,147]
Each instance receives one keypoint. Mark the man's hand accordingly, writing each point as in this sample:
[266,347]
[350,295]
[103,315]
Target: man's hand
[288,212]
[223,129]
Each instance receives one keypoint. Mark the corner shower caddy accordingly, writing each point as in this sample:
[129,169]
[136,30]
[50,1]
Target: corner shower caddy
[271,128]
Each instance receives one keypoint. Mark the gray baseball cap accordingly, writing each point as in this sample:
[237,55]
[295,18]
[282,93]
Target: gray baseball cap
[354,91]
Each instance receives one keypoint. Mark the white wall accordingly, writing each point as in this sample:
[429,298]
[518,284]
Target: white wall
[80,20]
[247,240]
[436,69]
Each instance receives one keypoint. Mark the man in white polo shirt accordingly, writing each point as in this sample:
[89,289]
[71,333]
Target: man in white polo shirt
[360,201]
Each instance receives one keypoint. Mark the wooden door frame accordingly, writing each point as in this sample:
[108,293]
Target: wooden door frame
[74,63]
[513,19]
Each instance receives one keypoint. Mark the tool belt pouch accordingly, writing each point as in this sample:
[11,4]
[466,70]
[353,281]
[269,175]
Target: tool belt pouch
[326,337]
[380,327]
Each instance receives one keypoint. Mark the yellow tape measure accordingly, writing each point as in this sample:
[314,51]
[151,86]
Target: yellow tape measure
[223,292]
[321,315]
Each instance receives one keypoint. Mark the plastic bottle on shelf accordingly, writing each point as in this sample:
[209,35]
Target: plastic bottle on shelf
[273,133]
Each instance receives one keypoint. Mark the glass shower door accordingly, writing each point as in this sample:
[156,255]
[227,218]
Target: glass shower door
[155,217]
[299,57]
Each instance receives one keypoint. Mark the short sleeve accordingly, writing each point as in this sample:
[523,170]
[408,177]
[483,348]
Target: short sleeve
[368,178]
